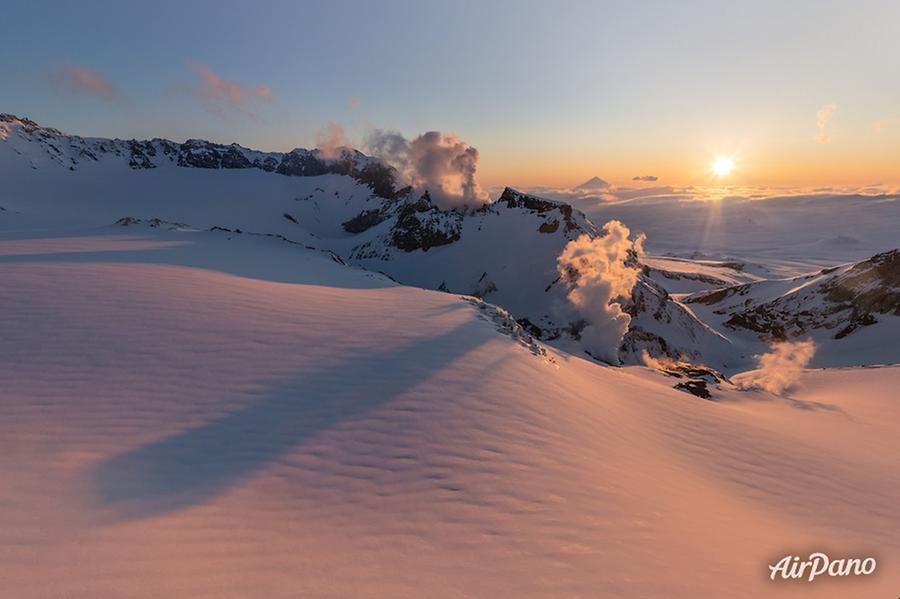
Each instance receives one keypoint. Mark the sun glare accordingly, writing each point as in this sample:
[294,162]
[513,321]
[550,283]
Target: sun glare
[722,166]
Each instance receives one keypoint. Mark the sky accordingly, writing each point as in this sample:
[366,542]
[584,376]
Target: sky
[796,93]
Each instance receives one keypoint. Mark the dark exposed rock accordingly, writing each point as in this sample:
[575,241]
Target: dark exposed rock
[637,339]
[364,221]
[301,163]
[549,226]
[155,223]
[514,199]
[511,198]
[421,225]
[870,286]
[379,177]
[234,158]
[483,287]
[861,320]
[695,387]
[714,297]
[845,300]
[142,153]
[200,153]
[531,328]
[268,164]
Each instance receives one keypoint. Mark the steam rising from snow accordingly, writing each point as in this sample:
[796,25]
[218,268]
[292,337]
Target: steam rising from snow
[780,368]
[661,363]
[600,272]
[440,162]
[330,140]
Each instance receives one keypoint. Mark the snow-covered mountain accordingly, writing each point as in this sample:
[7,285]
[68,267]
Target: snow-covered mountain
[209,389]
[833,303]
[356,207]
[504,252]
[40,145]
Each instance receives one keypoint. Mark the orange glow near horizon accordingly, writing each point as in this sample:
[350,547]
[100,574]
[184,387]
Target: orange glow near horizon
[723,166]
[790,165]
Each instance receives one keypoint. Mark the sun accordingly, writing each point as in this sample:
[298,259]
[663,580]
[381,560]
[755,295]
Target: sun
[722,166]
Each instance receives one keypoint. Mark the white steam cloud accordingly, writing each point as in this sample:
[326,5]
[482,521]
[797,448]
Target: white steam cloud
[440,163]
[600,272]
[330,140]
[663,363]
[780,368]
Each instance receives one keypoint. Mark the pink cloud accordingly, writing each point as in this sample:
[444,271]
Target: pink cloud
[354,102]
[219,95]
[77,80]
[882,124]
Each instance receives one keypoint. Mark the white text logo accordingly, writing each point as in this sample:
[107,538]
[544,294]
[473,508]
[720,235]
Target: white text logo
[819,564]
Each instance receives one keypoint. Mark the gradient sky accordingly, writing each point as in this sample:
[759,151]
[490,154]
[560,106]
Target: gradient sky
[550,93]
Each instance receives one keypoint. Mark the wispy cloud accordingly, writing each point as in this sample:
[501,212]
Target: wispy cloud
[882,124]
[220,95]
[646,178]
[82,81]
[330,139]
[354,102]
[823,116]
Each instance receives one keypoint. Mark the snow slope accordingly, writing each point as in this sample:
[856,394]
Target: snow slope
[505,252]
[205,414]
[202,399]
[855,304]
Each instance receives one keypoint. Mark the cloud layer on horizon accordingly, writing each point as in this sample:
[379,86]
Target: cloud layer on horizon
[581,198]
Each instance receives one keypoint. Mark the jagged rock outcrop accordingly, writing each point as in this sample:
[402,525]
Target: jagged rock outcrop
[421,225]
[840,299]
[550,212]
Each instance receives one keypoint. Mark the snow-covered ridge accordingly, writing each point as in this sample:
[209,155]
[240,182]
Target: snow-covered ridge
[840,299]
[44,145]
[203,396]
[505,251]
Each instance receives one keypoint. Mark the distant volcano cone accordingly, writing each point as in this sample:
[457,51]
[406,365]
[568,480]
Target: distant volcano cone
[594,183]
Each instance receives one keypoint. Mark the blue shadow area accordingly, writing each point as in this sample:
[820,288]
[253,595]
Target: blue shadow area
[192,466]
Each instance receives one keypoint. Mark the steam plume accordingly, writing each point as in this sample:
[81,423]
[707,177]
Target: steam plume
[330,140]
[781,367]
[600,272]
[438,162]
